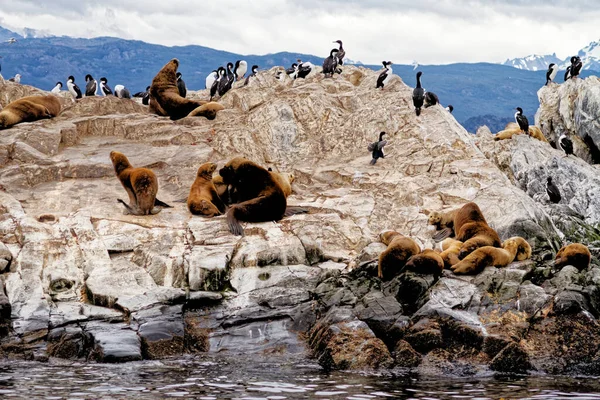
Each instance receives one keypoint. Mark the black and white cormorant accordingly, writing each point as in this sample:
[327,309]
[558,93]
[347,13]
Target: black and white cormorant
[254,72]
[240,69]
[340,56]
[292,71]
[211,78]
[226,81]
[330,63]
[576,65]
[566,144]
[385,76]
[552,190]
[104,88]
[181,85]
[431,99]
[57,88]
[304,69]
[214,89]
[551,73]
[450,108]
[16,78]
[90,85]
[376,148]
[568,73]
[122,92]
[522,120]
[73,88]
[418,95]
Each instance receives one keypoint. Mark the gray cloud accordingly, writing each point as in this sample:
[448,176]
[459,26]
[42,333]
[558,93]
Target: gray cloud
[429,31]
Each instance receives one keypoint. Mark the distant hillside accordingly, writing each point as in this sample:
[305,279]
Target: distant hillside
[590,55]
[476,91]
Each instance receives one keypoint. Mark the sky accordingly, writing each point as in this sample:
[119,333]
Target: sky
[402,31]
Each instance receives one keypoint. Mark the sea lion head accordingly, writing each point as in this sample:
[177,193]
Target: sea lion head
[434,218]
[206,170]
[120,162]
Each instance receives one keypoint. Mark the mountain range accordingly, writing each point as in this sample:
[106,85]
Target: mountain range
[590,55]
[481,93]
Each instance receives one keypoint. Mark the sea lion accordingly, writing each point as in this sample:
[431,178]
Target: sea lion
[442,220]
[285,181]
[166,101]
[140,184]
[471,228]
[28,109]
[203,198]
[512,128]
[260,196]
[393,259]
[576,254]
[428,262]
[450,250]
[513,248]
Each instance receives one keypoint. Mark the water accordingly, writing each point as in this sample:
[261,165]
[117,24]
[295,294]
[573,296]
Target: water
[239,378]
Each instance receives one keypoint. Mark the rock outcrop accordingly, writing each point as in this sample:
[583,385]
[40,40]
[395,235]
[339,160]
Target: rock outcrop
[83,280]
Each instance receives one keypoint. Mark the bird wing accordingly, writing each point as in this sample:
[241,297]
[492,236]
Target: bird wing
[372,146]
[382,77]
[567,144]
[381,144]
[553,191]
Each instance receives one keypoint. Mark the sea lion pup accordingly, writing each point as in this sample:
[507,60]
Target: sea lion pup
[203,198]
[575,254]
[285,181]
[450,250]
[28,109]
[513,248]
[428,262]
[166,101]
[260,195]
[140,184]
[471,228]
[393,259]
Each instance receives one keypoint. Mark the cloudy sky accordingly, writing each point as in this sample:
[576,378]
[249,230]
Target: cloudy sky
[428,31]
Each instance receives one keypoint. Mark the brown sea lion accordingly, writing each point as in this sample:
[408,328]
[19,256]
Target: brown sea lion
[140,184]
[285,181]
[166,101]
[428,262]
[576,254]
[393,259]
[28,109]
[512,128]
[493,256]
[450,250]
[260,196]
[471,228]
[203,198]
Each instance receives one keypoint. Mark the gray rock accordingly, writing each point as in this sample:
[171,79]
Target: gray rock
[570,302]
[161,330]
[531,298]
[113,343]
[511,359]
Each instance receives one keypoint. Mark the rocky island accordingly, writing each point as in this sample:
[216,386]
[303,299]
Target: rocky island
[82,280]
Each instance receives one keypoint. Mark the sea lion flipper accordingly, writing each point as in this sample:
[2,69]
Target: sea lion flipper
[234,225]
[127,207]
[442,234]
[293,210]
[159,203]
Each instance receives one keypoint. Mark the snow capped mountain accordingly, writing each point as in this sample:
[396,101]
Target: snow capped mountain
[533,62]
[590,55]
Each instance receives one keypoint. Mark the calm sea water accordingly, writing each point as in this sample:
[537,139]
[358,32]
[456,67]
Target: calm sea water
[239,378]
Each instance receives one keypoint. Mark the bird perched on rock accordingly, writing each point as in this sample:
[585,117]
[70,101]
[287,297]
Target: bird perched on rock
[16,79]
[181,86]
[450,108]
[241,66]
[292,71]
[214,89]
[566,144]
[552,190]
[551,73]
[210,79]
[104,88]
[90,85]
[568,73]
[304,69]
[522,120]
[385,76]
[377,148]
[73,88]
[254,72]
[418,95]
[431,99]
[330,63]
[122,92]
[340,55]
[56,89]
[576,65]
